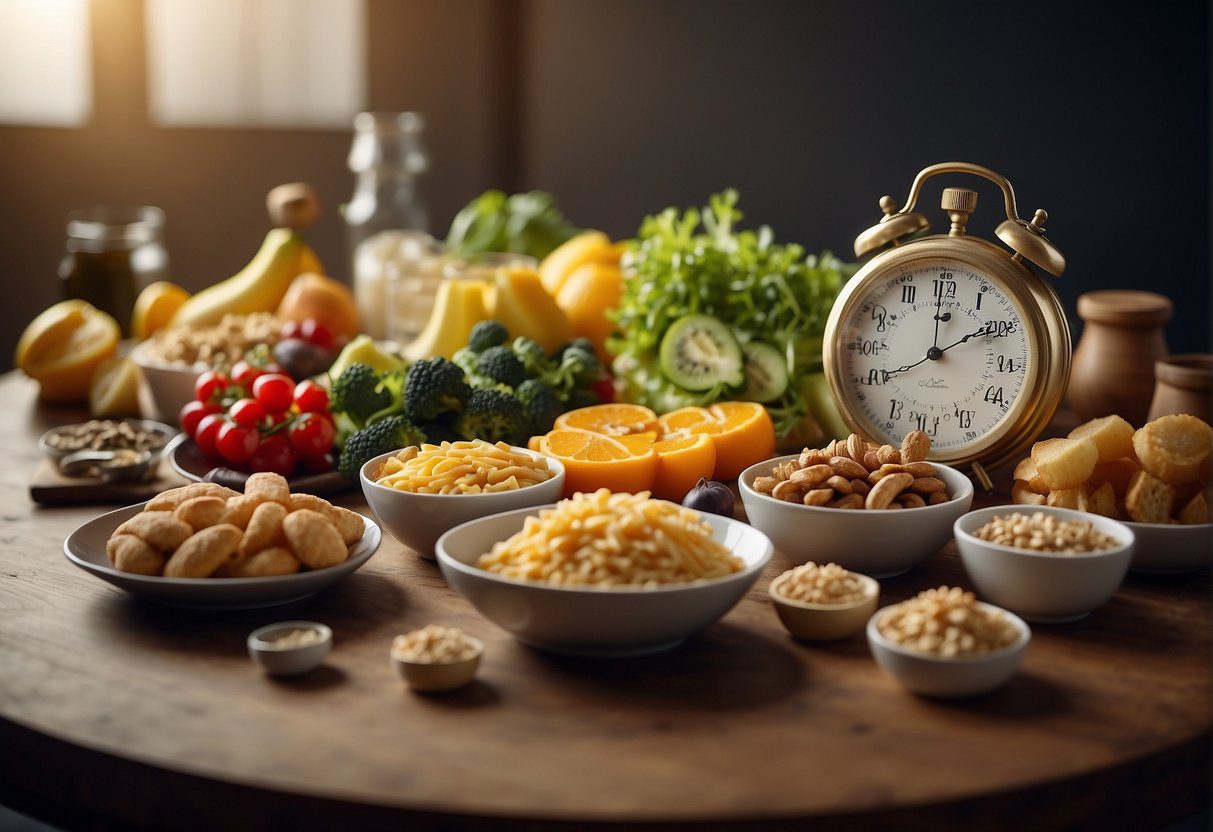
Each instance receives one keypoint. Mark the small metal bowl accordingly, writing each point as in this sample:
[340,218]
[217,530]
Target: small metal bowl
[86,466]
[278,660]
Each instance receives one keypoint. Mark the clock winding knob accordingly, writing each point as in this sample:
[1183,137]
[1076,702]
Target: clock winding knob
[959,203]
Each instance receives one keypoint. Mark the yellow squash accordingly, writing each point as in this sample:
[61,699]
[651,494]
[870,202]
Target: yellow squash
[459,306]
[525,308]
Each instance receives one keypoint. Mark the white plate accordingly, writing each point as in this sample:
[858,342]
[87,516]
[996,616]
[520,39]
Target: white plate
[596,622]
[85,547]
[1167,548]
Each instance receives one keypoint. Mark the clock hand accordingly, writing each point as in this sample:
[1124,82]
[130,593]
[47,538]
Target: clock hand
[888,373]
[985,330]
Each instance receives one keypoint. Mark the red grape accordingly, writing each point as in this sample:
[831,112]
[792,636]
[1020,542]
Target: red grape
[244,374]
[208,384]
[192,414]
[274,392]
[247,413]
[236,444]
[311,397]
[206,433]
[291,329]
[274,454]
[312,435]
[316,332]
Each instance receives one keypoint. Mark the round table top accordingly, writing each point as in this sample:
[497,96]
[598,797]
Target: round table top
[155,717]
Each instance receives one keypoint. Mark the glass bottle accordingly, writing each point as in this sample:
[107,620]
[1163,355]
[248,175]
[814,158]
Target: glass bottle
[113,253]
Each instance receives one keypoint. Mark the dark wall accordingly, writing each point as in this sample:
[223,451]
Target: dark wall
[813,110]
[621,107]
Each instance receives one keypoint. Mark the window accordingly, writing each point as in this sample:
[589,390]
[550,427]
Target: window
[45,63]
[256,63]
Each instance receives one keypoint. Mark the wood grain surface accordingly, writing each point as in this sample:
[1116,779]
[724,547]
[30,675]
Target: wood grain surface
[137,716]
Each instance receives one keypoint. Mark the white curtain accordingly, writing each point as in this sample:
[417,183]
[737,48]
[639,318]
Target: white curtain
[256,63]
[46,69]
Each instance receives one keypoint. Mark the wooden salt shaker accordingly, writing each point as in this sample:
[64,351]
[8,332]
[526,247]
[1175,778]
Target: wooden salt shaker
[1113,367]
[1185,384]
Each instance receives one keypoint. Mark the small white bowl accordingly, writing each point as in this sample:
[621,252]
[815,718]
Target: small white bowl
[288,661]
[824,622]
[431,677]
[877,543]
[589,621]
[417,520]
[1164,548]
[164,388]
[1043,587]
[929,675]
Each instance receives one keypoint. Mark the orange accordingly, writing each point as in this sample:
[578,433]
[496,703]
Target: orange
[63,346]
[585,296]
[611,419]
[326,300]
[681,463]
[742,431]
[155,307]
[594,460]
[686,421]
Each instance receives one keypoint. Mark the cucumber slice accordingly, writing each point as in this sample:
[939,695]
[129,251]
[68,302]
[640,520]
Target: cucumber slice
[766,372]
[698,352]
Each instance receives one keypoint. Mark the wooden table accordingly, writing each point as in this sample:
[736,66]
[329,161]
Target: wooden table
[137,716]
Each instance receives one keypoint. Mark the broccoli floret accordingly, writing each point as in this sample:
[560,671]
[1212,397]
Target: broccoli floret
[501,365]
[356,393]
[487,334]
[492,415]
[578,343]
[435,386]
[384,436]
[531,354]
[465,358]
[540,404]
[579,367]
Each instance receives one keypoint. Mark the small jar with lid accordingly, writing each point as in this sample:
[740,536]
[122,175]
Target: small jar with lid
[113,253]
[1113,367]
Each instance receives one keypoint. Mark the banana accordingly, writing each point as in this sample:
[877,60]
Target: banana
[258,287]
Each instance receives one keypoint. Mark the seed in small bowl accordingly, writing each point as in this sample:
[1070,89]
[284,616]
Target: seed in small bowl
[1042,532]
[436,658]
[822,603]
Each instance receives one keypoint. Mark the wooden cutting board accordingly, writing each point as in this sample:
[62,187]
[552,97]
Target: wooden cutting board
[49,487]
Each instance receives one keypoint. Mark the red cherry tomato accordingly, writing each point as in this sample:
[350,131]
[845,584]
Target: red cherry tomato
[244,374]
[208,384]
[236,444]
[276,419]
[317,333]
[192,414]
[207,432]
[247,413]
[274,454]
[274,392]
[310,397]
[291,329]
[311,435]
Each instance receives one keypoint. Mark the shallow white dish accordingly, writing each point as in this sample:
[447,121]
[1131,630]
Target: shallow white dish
[288,661]
[1044,587]
[596,622]
[1166,548]
[85,547]
[880,544]
[417,520]
[164,388]
[930,675]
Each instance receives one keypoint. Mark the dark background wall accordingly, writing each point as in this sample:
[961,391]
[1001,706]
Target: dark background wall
[811,109]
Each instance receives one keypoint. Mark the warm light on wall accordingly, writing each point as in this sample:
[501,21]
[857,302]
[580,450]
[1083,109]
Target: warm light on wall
[256,63]
[46,76]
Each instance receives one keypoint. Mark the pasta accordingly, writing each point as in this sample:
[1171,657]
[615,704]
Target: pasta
[612,540]
[473,467]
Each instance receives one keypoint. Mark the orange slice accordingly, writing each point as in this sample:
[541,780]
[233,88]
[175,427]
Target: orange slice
[63,346]
[681,463]
[610,419]
[155,307]
[594,460]
[742,431]
[686,421]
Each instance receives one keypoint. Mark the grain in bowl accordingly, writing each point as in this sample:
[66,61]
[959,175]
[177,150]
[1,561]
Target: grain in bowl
[825,584]
[466,467]
[612,541]
[946,623]
[1045,533]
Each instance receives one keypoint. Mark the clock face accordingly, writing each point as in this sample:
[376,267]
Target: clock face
[936,346]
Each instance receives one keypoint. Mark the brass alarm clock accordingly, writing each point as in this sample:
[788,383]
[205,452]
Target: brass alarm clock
[951,334]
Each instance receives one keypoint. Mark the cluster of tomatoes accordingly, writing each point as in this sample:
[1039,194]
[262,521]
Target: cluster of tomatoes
[258,419]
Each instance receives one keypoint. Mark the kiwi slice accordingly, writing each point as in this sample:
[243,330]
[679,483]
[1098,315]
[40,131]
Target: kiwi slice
[766,372]
[698,352]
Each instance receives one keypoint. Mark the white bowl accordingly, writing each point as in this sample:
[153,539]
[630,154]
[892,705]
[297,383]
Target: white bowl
[417,520]
[596,622]
[931,675]
[876,543]
[288,661]
[85,547]
[1171,548]
[1043,587]
[164,388]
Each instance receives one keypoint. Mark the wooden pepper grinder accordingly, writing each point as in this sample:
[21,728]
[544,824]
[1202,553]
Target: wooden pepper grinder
[1113,367]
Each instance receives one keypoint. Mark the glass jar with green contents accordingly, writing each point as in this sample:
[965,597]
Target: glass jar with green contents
[112,254]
